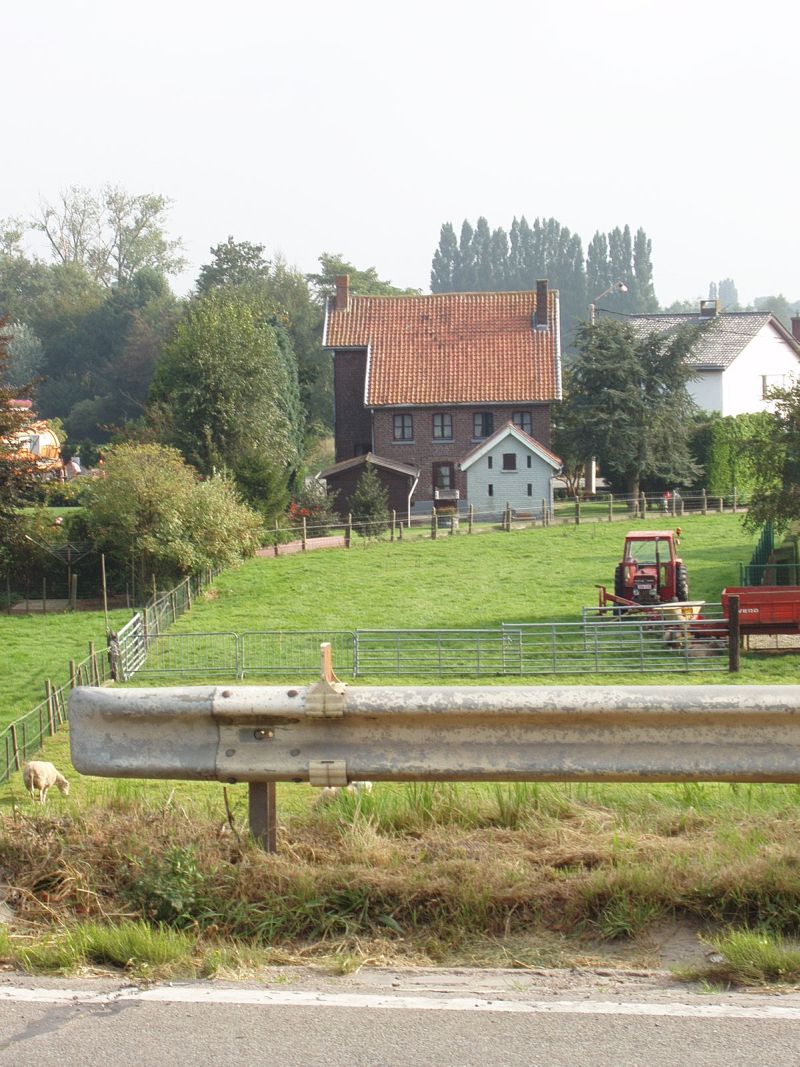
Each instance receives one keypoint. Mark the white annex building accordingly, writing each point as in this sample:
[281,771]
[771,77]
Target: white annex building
[739,357]
[513,468]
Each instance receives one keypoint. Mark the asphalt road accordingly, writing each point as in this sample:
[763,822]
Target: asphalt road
[396,1017]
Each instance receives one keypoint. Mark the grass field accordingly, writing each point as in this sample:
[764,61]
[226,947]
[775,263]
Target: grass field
[162,878]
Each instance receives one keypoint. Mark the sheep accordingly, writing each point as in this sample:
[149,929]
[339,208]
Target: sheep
[41,775]
[329,793]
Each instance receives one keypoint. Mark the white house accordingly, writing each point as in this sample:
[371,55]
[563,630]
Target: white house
[739,356]
[510,467]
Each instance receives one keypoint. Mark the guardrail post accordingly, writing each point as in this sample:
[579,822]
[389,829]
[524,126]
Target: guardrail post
[263,815]
[733,634]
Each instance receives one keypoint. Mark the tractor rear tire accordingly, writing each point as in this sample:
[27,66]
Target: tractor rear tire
[681,582]
[619,581]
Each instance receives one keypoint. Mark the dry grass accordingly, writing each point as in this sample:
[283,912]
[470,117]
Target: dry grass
[433,874]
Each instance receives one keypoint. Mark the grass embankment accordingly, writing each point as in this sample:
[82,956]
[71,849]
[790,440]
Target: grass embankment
[525,875]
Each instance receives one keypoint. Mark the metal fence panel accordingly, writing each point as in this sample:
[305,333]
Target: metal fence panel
[282,651]
[208,653]
[438,652]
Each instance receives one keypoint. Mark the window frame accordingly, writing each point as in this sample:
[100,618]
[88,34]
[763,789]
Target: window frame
[486,420]
[440,465]
[405,420]
[445,419]
[518,417]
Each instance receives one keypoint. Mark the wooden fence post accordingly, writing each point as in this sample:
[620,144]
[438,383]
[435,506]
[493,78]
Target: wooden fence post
[610,507]
[721,505]
[471,518]
[348,533]
[434,521]
[394,524]
[705,503]
[48,697]
[275,546]
[73,678]
[95,670]
[577,511]
[733,634]
[400,532]
[15,744]
[304,535]
[44,596]
[644,505]
[735,501]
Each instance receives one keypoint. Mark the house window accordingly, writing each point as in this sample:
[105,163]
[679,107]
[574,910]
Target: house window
[530,489]
[403,428]
[509,461]
[530,460]
[482,424]
[444,476]
[489,462]
[771,381]
[443,427]
[523,420]
[490,487]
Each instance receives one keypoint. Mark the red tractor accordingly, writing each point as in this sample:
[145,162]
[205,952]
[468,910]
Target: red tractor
[651,571]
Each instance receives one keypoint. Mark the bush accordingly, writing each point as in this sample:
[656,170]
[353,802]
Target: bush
[369,505]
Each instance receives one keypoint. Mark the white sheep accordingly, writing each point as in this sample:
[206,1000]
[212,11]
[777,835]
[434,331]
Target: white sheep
[38,774]
[328,793]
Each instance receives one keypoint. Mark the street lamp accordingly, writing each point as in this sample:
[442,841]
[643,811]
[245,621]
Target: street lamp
[617,287]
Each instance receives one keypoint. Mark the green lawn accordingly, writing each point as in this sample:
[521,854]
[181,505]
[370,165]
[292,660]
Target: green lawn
[534,575]
[36,647]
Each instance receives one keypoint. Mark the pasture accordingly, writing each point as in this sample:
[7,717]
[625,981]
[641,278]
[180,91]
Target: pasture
[518,875]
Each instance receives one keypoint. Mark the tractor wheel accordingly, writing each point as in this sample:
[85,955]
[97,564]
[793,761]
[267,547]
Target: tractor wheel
[619,581]
[681,582]
[619,588]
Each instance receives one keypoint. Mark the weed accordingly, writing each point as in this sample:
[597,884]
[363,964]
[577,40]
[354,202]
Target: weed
[752,957]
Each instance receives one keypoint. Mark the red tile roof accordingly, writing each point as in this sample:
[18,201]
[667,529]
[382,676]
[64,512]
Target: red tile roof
[451,348]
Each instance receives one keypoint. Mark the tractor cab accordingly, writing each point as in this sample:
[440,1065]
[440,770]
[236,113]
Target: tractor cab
[650,571]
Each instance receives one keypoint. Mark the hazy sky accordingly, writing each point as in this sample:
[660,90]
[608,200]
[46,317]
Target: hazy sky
[361,127]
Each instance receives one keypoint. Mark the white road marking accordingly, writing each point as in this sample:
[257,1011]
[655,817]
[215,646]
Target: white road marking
[195,994]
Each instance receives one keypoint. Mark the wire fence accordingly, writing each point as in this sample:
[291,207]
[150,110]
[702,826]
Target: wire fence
[121,656]
[25,736]
[462,517]
[603,644]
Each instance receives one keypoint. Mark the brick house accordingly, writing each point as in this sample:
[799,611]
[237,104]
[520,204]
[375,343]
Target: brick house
[423,380]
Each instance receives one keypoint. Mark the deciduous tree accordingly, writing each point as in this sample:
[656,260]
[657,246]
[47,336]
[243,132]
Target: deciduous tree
[629,405]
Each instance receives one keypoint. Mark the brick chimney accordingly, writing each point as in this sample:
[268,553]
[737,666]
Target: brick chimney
[342,292]
[541,305]
[796,326]
[709,309]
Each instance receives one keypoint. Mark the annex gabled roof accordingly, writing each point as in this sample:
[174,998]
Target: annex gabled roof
[525,439]
[451,348]
[377,461]
[723,338]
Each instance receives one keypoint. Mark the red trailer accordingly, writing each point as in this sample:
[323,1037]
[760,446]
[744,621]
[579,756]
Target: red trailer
[765,609]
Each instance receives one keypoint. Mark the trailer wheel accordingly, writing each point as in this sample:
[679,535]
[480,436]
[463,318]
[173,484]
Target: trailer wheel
[681,582]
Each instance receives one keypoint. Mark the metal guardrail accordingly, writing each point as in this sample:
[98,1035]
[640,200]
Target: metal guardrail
[329,735]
